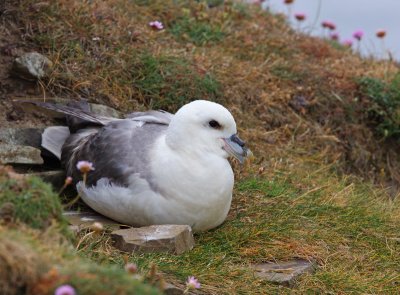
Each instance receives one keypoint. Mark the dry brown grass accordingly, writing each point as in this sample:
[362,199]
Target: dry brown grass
[19,265]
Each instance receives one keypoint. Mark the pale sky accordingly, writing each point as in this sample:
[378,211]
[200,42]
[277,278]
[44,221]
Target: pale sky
[351,15]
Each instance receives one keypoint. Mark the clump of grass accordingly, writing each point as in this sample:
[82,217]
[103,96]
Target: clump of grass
[33,201]
[169,82]
[114,280]
[384,113]
[35,251]
[33,265]
[20,265]
[197,32]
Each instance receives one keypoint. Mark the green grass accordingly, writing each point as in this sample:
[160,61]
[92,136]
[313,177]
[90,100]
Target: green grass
[168,82]
[384,112]
[32,265]
[197,32]
[34,204]
[349,228]
[36,254]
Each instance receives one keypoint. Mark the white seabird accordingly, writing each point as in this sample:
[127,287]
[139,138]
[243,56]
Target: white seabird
[152,167]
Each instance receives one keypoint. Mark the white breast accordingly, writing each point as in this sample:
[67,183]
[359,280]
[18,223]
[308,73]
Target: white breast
[191,191]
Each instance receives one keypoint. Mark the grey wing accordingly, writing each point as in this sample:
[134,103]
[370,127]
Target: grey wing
[117,150]
[160,117]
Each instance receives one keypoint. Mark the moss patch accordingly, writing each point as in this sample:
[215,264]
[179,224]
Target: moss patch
[33,201]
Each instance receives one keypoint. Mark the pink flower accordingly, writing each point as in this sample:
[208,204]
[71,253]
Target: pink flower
[348,43]
[65,290]
[84,166]
[131,268]
[192,283]
[381,33]
[358,35]
[156,25]
[68,181]
[328,25]
[300,16]
[334,36]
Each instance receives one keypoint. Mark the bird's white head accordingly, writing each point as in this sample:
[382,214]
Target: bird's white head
[204,126]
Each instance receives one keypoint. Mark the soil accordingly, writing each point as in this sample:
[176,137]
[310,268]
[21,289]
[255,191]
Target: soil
[12,45]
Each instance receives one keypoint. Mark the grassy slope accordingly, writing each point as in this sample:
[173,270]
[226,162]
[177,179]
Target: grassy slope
[291,201]
[36,254]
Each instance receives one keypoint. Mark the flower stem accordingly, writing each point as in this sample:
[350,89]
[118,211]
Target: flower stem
[62,189]
[73,201]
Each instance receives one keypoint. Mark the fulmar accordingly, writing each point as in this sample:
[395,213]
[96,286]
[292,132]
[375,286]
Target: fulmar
[152,167]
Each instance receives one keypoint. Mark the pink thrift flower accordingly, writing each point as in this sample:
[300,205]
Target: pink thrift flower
[348,43]
[68,181]
[381,33]
[192,283]
[156,25]
[65,290]
[334,36]
[358,35]
[300,16]
[328,25]
[84,166]
[131,268]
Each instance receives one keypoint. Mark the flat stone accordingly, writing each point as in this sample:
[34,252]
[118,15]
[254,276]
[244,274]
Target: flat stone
[284,272]
[21,136]
[83,220]
[55,177]
[31,66]
[18,154]
[156,238]
[172,290]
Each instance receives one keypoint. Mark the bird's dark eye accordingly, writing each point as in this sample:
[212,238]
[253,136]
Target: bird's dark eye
[214,124]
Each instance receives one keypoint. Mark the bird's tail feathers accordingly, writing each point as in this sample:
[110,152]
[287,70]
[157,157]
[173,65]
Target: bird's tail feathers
[53,139]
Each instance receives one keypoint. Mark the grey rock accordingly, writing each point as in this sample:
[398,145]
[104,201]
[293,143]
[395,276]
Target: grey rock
[21,136]
[172,290]
[284,272]
[84,220]
[103,110]
[156,238]
[16,154]
[56,177]
[31,66]
[28,107]
[25,105]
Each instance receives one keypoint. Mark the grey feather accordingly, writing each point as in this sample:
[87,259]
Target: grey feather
[53,138]
[114,150]
[118,148]
[160,117]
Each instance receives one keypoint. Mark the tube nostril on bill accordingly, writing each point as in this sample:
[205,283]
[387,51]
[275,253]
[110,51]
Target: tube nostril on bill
[235,138]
